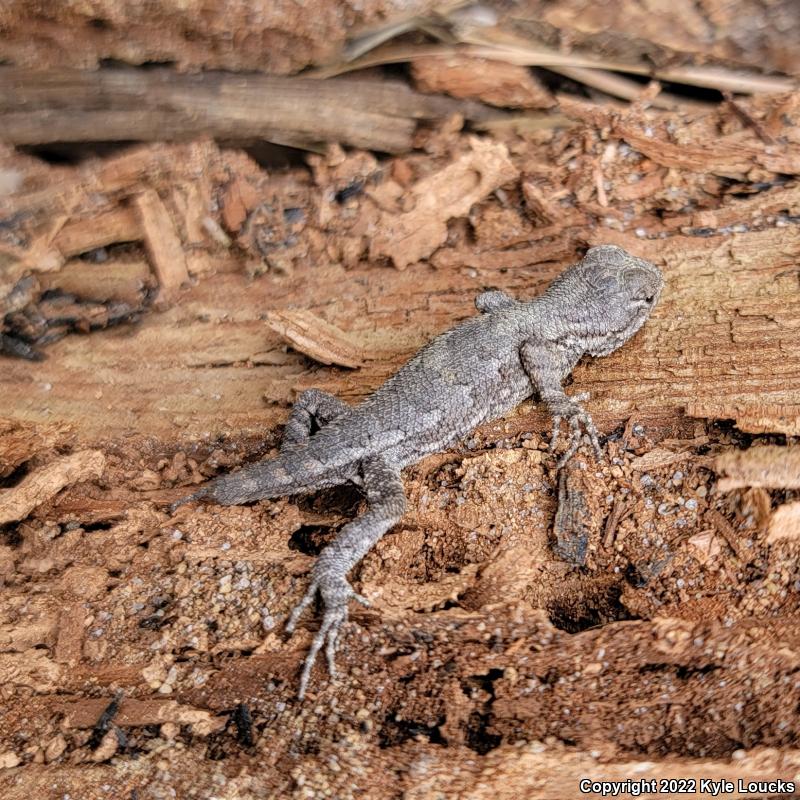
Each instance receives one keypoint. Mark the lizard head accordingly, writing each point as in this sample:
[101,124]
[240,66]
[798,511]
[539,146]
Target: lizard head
[621,290]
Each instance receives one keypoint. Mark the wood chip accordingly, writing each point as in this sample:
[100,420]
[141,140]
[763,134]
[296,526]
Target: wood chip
[451,192]
[771,467]
[238,200]
[657,458]
[730,535]
[316,338]
[124,281]
[20,441]
[785,523]
[495,82]
[45,483]
[706,545]
[162,243]
[82,235]
[751,417]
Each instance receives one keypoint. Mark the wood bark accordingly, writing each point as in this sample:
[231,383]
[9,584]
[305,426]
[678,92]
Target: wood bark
[155,105]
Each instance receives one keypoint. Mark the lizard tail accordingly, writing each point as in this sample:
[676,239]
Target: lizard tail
[276,477]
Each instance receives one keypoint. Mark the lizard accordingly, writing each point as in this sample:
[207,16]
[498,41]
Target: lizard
[475,372]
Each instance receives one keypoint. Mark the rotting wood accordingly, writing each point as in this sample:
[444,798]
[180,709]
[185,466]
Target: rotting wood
[451,192]
[162,243]
[37,488]
[119,224]
[495,82]
[122,280]
[46,106]
[473,538]
[784,523]
[496,259]
[316,338]
[724,155]
[21,441]
[770,467]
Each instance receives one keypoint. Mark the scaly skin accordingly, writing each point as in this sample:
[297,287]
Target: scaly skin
[473,373]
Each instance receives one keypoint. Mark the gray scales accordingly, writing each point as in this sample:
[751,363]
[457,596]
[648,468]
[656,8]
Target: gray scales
[475,372]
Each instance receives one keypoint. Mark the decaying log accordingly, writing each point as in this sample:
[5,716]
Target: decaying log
[157,105]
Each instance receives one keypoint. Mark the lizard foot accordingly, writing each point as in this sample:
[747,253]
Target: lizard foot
[336,593]
[570,409]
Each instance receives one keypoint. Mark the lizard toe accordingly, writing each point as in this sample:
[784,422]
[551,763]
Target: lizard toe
[579,421]
[298,610]
[336,594]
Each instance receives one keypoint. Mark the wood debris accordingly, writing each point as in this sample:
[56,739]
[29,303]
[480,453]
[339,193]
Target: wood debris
[409,237]
[162,242]
[768,467]
[734,539]
[125,280]
[21,441]
[734,155]
[101,589]
[162,104]
[118,224]
[658,457]
[316,338]
[69,645]
[495,82]
[785,523]
[43,484]
[753,416]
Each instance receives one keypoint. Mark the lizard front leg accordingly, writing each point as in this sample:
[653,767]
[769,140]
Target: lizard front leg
[547,364]
[494,300]
[312,407]
[386,504]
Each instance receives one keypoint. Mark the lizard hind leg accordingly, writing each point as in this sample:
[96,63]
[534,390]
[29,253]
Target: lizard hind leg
[386,504]
[313,408]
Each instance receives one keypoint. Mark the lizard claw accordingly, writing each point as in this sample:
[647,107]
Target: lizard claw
[336,594]
[570,409]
